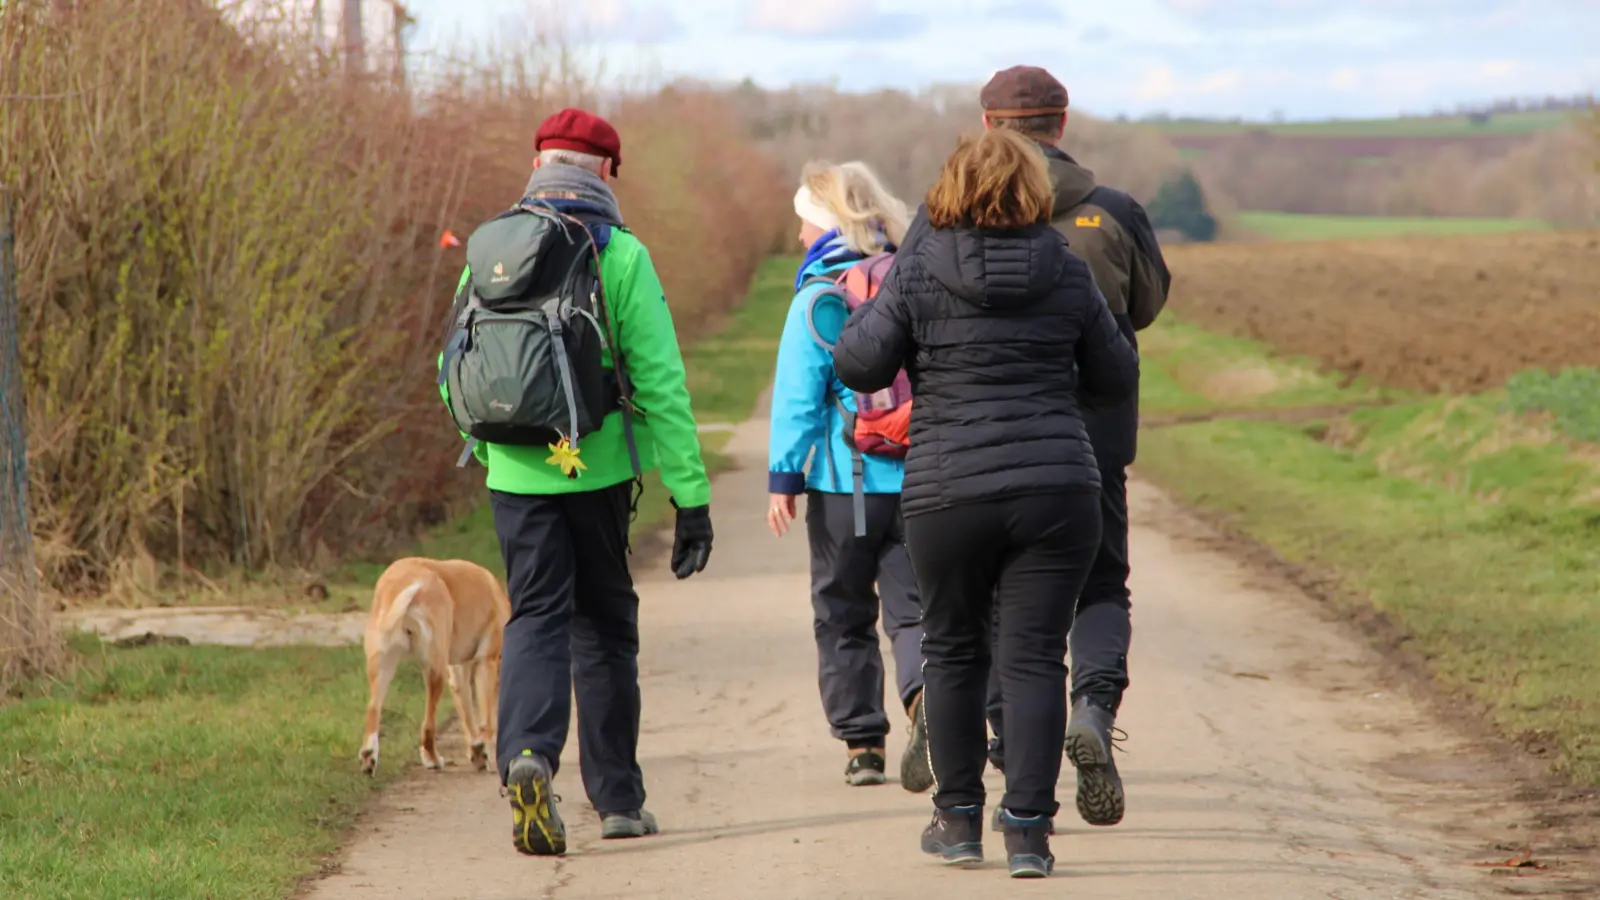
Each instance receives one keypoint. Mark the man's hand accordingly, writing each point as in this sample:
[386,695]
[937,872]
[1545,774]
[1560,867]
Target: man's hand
[780,512]
[691,540]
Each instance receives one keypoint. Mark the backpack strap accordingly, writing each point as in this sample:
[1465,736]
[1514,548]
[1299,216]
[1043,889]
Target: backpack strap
[619,366]
[831,287]
[858,464]
[858,475]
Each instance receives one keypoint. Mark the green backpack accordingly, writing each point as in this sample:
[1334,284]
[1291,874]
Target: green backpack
[523,362]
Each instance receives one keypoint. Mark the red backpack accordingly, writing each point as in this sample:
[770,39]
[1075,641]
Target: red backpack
[882,422]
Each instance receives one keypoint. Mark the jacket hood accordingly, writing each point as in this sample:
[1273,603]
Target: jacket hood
[1074,183]
[995,269]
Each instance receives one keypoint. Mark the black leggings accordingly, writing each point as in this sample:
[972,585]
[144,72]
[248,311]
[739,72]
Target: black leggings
[1030,555]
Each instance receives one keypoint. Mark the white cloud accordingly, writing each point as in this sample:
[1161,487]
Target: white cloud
[807,19]
[1156,83]
[1220,82]
[1185,57]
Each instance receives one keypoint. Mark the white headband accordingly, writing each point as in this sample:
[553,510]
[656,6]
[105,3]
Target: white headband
[807,208]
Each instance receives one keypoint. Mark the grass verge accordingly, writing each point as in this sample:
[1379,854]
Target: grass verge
[1474,530]
[1305,227]
[1186,369]
[179,772]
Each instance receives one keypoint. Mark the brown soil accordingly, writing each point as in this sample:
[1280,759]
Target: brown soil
[1356,147]
[1435,314]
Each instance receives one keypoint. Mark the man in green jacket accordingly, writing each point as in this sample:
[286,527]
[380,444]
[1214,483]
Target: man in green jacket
[574,624]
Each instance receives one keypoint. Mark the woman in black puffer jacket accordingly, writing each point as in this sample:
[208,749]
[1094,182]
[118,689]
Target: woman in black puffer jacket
[1002,331]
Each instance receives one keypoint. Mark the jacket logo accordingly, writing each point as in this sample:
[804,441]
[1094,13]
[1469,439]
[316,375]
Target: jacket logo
[1088,222]
[499,274]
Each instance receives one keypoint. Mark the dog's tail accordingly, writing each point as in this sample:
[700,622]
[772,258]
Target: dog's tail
[401,606]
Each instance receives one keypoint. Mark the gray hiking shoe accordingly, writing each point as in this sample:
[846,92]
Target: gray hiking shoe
[631,824]
[1027,845]
[916,769]
[1090,736]
[955,836]
[995,824]
[536,828]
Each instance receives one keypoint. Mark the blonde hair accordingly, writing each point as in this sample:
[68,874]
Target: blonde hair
[998,181]
[869,216]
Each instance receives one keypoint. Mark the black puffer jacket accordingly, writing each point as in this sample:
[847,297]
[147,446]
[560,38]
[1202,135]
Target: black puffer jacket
[1001,333]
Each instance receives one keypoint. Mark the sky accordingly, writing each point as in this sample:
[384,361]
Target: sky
[1302,59]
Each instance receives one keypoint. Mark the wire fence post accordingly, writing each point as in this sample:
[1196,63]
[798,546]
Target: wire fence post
[26,641]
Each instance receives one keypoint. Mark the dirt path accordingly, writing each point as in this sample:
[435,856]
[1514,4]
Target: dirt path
[1266,760]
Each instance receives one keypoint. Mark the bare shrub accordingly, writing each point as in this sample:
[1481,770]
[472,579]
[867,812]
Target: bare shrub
[906,137]
[233,282]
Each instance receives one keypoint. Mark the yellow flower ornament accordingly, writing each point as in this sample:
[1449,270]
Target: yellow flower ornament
[564,455]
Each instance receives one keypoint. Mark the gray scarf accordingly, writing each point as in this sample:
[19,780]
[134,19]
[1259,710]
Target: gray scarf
[557,181]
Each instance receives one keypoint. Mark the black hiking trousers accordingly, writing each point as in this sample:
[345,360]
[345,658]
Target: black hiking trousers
[851,578]
[1028,556]
[574,628]
[1102,629]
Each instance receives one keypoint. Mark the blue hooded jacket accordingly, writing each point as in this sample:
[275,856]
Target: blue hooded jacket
[804,388]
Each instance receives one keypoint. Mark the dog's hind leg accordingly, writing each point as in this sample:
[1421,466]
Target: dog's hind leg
[483,701]
[435,670]
[461,695]
[381,667]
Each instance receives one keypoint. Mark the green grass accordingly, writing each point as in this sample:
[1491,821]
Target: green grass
[728,368]
[1304,227]
[1476,530]
[1569,396]
[1187,369]
[1515,123]
[188,772]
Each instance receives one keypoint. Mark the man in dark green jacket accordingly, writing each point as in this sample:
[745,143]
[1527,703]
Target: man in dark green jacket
[574,614]
[1109,230]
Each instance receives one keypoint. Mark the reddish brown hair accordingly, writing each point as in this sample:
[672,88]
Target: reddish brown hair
[998,181]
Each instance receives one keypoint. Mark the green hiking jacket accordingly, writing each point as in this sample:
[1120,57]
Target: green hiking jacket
[664,428]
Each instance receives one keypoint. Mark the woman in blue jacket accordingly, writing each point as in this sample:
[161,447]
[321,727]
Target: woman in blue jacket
[845,216]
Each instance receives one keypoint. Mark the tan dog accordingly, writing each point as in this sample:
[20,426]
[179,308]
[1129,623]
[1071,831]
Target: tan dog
[450,614]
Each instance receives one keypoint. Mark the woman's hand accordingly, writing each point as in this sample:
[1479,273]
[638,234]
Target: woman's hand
[780,512]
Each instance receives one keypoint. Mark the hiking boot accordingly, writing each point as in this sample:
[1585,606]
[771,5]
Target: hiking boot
[866,767]
[916,768]
[536,827]
[1027,844]
[631,824]
[955,836]
[1089,742]
[997,755]
[995,823]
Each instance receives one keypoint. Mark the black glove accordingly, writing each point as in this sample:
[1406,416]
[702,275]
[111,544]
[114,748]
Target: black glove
[691,540]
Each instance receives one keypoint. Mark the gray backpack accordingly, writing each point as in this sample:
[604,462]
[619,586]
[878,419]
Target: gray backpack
[523,362]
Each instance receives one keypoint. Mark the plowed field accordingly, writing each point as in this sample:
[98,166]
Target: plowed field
[1455,314]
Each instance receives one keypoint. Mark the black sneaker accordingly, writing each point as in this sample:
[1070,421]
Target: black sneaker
[916,769]
[955,836]
[996,824]
[865,767]
[536,827]
[1089,740]
[631,824]
[997,755]
[1027,845]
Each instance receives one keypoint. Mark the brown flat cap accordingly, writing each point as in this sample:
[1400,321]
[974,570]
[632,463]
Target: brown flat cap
[1023,91]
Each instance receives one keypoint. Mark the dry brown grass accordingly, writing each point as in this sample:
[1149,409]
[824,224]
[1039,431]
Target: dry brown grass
[233,285]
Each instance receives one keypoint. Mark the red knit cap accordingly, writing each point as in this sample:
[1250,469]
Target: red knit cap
[582,132]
